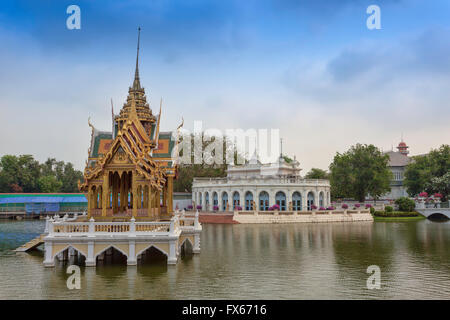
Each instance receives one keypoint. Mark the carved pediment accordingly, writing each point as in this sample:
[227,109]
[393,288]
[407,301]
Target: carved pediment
[120,157]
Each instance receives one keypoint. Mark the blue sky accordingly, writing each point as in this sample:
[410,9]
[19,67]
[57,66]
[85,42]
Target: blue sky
[310,68]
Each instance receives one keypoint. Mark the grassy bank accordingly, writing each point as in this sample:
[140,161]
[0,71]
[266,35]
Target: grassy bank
[419,217]
[397,216]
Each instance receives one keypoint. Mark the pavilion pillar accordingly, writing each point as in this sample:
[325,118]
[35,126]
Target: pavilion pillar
[89,201]
[164,195]
[158,202]
[135,195]
[105,194]
[170,195]
[115,193]
[150,201]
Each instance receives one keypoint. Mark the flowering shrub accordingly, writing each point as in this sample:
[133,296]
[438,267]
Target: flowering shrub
[215,208]
[321,208]
[345,206]
[190,207]
[330,208]
[437,195]
[313,207]
[357,205]
[368,205]
[239,208]
[199,207]
[423,194]
[274,207]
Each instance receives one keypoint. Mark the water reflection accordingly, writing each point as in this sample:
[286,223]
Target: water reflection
[301,261]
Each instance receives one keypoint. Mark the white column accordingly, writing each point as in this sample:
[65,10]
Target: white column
[196,248]
[219,200]
[288,194]
[49,260]
[131,260]
[90,260]
[172,258]
[305,200]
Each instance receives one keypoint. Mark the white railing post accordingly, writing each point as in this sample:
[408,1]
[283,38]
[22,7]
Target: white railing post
[172,226]
[50,227]
[133,227]
[46,225]
[91,227]
[196,222]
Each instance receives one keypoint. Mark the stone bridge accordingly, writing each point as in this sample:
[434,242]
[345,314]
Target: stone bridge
[428,211]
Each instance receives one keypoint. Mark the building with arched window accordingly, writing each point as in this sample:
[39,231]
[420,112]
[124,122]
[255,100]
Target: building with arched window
[257,186]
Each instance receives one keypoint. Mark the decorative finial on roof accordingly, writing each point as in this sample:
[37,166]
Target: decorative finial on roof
[136,82]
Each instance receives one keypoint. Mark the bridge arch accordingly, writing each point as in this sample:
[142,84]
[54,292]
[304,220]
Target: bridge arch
[108,247]
[152,246]
[438,216]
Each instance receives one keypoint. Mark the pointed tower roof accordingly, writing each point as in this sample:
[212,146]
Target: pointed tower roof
[136,100]
[137,82]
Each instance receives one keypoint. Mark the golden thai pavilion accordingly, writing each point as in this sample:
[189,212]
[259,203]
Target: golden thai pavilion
[131,168]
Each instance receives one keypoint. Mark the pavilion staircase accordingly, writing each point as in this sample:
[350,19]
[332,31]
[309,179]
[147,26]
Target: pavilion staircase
[31,244]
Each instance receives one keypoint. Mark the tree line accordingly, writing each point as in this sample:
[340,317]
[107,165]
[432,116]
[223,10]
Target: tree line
[25,174]
[363,171]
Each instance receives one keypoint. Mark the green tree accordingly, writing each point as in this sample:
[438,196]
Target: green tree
[429,172]
[23,174]
[405,204]
[316,173]
[49,184]
[359,172]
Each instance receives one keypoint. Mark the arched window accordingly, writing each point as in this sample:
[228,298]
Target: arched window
[263,201]
[248,201]
[310,201]
[224,201]
[321,202]
[280,200]
[215,199]
[236,200]
[296,201]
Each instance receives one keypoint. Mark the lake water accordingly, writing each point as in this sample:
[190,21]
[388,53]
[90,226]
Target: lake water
[297,261]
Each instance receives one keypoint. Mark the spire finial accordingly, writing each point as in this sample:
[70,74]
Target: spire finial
[137,83]
[281,147]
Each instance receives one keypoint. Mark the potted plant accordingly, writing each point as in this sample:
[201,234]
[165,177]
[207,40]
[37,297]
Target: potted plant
[313,207]
[344,206]
[190,207]
[199,207]
[215,208]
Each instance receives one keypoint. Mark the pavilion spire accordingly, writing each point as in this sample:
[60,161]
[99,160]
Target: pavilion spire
[137,82]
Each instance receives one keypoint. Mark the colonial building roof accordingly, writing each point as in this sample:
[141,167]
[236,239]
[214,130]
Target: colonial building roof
[397,159]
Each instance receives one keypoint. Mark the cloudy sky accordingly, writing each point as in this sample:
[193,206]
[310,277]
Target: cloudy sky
[310,68]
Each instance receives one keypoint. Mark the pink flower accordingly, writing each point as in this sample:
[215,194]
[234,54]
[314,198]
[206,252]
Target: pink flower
[423,194]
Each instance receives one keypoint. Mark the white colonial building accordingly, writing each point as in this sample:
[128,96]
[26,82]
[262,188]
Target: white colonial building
[256,186]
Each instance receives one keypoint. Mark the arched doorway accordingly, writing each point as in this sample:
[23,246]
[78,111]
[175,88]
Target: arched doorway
[248,201]
[321,199]
[236,200]
[207,200]
[310,201]
[280,200]
[263,201]
[224,201]
[296,201]
[215,199]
